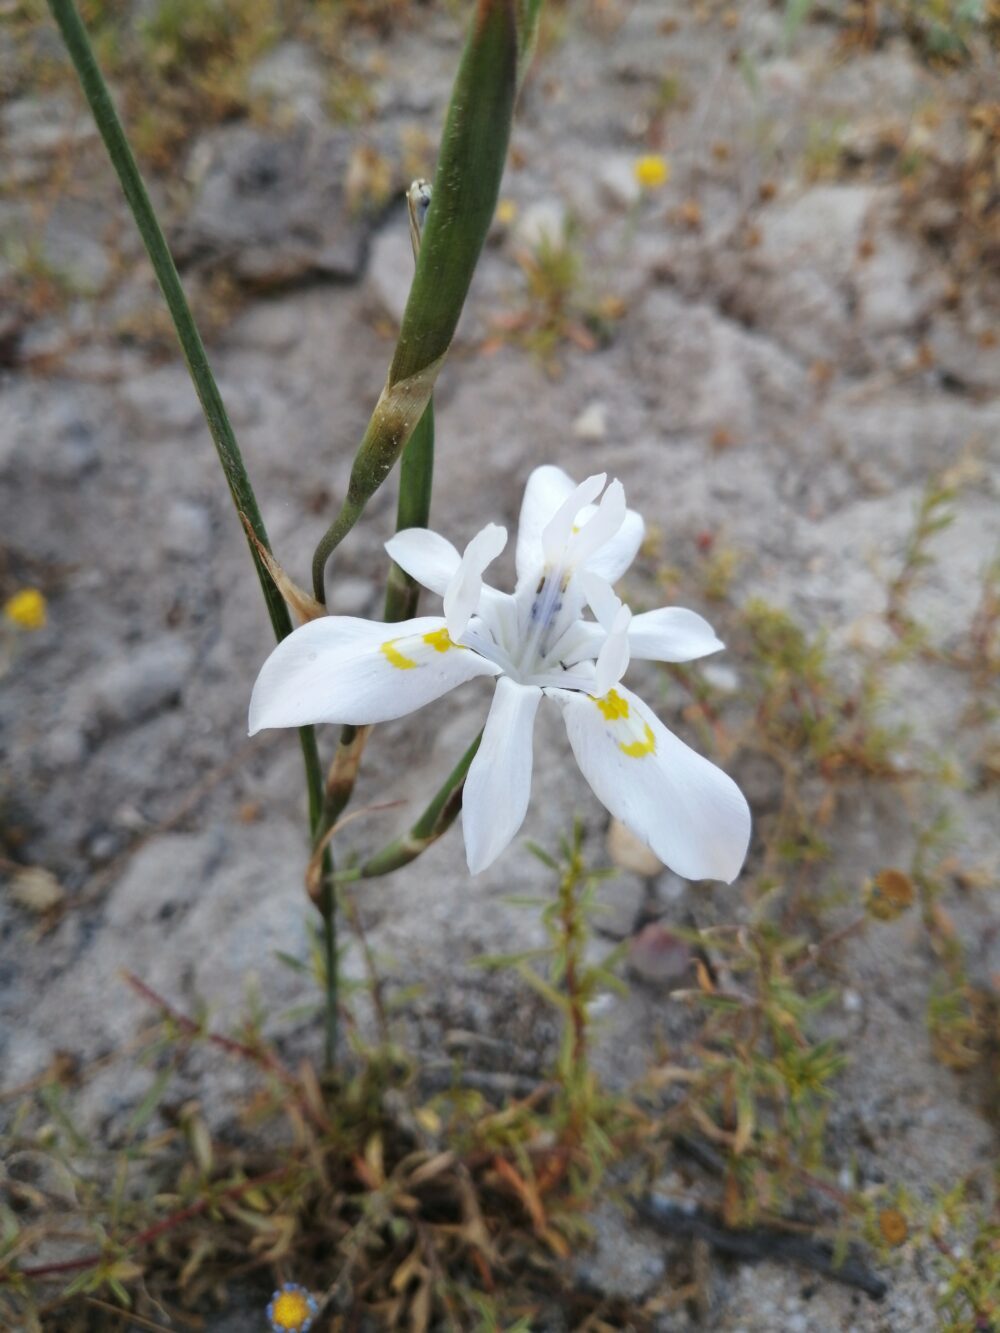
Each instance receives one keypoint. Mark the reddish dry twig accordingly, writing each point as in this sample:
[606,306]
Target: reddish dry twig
[261,1057]
[192,1029]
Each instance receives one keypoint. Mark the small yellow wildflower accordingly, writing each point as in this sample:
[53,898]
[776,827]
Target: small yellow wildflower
[652,171]
[27,609]
[506,212]
[292,1309]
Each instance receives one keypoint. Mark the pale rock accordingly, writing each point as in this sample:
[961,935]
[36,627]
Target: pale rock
[892,295]
[64,747]
[162,400]
[968,352]
[671,888]
[807,312]
[51,429]
[541,223]
[782,78]
[82,263]
[273,326]
[390,269]
[104,845]
[33,129]
[713,372]
[271,208]
[226,914]
[130,819]
[621,1261]
[619,905]
[187,529]
[760,778]
[35,889]
[290,78]
[352,596]
[725,679]
[141,682]
[617,182]
[591,425]
[76,452]
[822,229]
[630,852]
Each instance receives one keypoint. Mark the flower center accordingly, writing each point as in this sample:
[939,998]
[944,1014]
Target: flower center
[292,1309]
[545,623]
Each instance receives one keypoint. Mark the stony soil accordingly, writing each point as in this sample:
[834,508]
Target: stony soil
[800,348]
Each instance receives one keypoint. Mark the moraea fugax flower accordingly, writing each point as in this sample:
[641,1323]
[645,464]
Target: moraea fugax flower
[573,543]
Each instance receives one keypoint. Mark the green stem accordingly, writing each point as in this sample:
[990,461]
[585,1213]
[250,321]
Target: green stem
[416,475]
[435,821]
[106,118]
[328,910]
[430,822]
[350,512]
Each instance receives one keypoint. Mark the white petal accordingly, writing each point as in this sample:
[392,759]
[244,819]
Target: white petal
[547,489]
[426,556]
[558,531]
[613,558]
[613,659]
[596,531]
[601,598]
[341,669]
[461,597]
[581,642]
[671,634]
[498,787]
[498,611]
[692,815]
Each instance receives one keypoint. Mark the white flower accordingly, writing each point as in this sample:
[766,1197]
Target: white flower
[536,642]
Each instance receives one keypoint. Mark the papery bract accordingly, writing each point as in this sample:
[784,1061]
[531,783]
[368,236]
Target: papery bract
[573,543]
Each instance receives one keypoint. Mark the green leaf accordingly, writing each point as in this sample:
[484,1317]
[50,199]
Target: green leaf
[559,1002]
[466,186]
[150,1102]
[508,959]
[796,12]
[540,854]
[295,964]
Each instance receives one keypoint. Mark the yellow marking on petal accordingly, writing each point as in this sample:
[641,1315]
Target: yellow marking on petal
[439,640]
[394,656]
[613,706]
[638,748]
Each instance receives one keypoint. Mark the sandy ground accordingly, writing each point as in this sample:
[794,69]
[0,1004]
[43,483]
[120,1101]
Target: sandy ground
[796,356]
